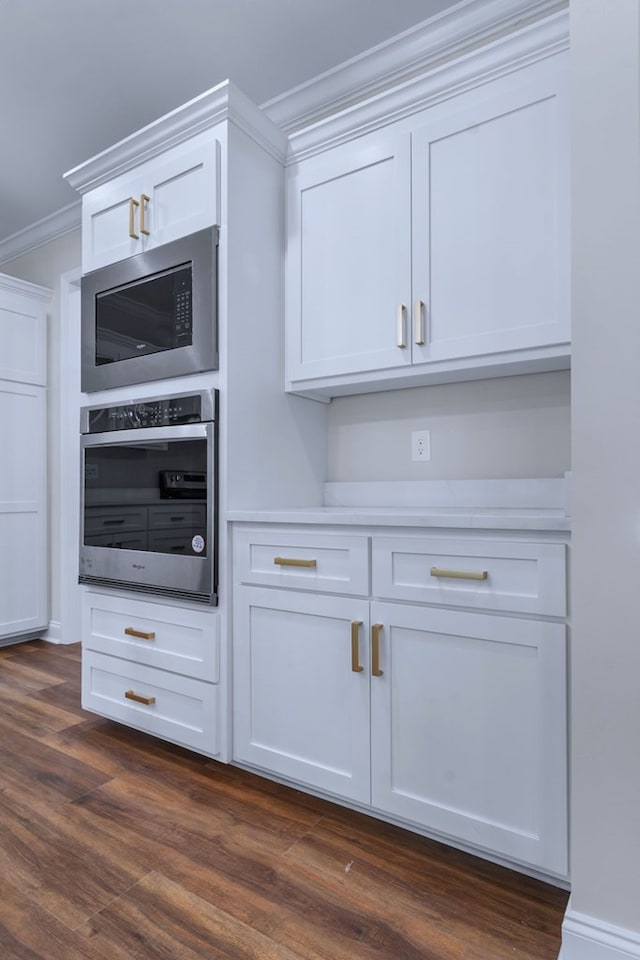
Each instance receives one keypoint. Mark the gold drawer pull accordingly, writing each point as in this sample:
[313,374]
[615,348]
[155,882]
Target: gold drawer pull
[132,205]
[131,632]
[143,199]
[130,695]
[375,649]
[355,629]
[460,574]
[293,562]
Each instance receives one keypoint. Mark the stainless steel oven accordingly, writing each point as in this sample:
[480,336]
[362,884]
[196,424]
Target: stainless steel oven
[148,513]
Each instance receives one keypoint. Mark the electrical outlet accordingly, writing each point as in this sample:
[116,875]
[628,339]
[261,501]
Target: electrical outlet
[420,446]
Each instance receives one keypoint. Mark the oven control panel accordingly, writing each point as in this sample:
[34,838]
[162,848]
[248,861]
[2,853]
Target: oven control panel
[156,412]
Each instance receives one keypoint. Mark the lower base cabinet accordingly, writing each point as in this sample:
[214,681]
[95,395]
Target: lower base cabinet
[450,721]
[153,666]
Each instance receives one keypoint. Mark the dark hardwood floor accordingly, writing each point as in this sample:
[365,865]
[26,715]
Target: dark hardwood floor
[116,846]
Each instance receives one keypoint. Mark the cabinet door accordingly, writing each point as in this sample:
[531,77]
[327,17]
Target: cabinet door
[23,333]
[301,710]
[491,218]
[469,729]
[181,188]
[348,258]
[23,521]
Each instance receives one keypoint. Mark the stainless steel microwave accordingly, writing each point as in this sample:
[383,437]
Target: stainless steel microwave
[152,316]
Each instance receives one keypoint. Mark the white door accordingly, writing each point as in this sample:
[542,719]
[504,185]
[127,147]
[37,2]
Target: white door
[301,706]
[349,258]
[468,729]
[491,218]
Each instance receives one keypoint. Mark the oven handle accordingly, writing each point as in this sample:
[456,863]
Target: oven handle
[148,435]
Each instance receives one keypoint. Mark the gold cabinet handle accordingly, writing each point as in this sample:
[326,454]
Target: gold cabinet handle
[356,667]
[401,326]
[143,200]
[132,632]
[419,333]
[460,574]
[132,209]
[376,629]
[148,701]
[293,562]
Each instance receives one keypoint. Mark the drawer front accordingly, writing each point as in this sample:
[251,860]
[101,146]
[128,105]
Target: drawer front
[304,560]
[179,709]
[114,519]
[176,514]
[485,575]
[184,641]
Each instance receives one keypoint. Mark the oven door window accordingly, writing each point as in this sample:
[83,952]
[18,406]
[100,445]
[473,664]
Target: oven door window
[149,496]
[149,316]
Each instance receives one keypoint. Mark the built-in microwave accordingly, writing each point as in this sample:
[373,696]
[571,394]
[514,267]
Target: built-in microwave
[148,505]
[152,316]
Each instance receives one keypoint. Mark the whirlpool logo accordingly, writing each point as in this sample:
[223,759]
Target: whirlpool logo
[138,566]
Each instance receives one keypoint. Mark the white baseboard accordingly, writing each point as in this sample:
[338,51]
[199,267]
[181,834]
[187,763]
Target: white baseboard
[587,938]
[54,633]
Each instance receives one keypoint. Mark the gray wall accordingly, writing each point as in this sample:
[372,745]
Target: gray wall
[605,720]
[501,429]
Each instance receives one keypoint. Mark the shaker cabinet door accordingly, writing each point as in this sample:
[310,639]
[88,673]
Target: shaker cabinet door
[348,259]
[468,729]
[490,221]
[301,710]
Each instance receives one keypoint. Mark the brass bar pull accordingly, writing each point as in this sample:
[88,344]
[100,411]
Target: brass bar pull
[130,695]
[293,562]
[419,334]
[355,629]
[401,326]
[143,200]
[375,649]
[460,574]
[131,632]
[132,231]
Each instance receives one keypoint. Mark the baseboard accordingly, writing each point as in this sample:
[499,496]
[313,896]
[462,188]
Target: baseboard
[587,938]
[54,633]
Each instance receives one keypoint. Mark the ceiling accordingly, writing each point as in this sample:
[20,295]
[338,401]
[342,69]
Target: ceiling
[79,75]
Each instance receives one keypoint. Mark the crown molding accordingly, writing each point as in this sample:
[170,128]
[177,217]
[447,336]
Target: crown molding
[220,103]
[43,231]
[503,55]
[12,285]
[450,35]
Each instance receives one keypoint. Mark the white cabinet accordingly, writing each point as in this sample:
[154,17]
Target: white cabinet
[23,479]
[154,667]
[436,248]
[448,720]
[167,197]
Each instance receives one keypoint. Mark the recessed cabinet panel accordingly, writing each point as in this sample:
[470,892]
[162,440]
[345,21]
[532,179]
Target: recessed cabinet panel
[301,710]
[348,259]
[23,338]
[490,225]
[23,569]
[482,700]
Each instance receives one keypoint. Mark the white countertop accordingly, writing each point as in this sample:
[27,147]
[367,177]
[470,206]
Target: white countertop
[408,517]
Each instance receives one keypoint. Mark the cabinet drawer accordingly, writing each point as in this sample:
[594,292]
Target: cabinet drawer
[166,516]
[153,634]
[114,519]
[304,560]
[488,575]
[175,708]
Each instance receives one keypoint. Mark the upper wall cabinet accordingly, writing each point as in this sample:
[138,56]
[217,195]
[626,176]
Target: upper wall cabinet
[160,200]
[435,248]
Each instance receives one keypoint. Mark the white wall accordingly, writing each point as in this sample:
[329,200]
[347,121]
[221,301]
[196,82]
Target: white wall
[44,266]
[605,721]
[504,428]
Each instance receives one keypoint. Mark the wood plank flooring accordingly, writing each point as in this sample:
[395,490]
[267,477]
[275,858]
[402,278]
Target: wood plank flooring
[116,846]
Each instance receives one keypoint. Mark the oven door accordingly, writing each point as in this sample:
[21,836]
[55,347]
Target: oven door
[148,511]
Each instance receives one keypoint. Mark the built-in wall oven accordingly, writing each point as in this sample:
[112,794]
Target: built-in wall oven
[148,511]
